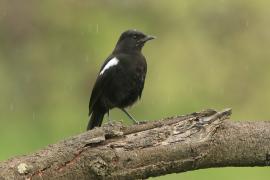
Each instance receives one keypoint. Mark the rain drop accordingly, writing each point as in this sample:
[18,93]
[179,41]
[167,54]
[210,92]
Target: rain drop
[87,58]
[11,107]
[97,28]
[33,115]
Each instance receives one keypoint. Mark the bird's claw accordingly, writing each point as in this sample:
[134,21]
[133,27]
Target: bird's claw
[140,122]
[110,123]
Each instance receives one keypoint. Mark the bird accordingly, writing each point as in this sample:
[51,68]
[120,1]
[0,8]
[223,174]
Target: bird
[120,81]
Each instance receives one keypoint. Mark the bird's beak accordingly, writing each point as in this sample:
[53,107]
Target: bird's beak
[147,38]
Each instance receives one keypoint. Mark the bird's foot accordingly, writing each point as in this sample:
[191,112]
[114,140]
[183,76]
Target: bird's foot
[113,123]
[110,123]
[140,122]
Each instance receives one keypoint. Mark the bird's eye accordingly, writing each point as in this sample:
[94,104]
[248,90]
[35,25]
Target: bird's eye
[135,37]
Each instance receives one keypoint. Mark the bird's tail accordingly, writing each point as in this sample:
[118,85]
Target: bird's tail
[96,118]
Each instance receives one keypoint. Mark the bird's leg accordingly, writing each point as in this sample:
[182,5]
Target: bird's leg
[109,119]
[130,117]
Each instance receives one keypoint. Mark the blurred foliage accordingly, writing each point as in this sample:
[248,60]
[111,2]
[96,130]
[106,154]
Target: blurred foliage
[208,54]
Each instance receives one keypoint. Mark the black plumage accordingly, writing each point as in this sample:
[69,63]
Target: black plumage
[121,78]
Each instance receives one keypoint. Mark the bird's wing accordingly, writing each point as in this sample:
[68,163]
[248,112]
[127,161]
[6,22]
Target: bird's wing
[144,71]
[104,77]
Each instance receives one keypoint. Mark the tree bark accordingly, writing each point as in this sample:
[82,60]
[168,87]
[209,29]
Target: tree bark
[172,145]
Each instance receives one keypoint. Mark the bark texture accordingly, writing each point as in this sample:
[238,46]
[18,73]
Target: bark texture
[172,145]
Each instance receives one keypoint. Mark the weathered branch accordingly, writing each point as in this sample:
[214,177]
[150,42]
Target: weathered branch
[199,140]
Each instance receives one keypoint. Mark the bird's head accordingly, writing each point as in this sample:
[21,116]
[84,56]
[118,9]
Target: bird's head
[132,40]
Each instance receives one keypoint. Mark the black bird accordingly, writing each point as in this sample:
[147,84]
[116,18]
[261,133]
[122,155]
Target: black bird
[121,78]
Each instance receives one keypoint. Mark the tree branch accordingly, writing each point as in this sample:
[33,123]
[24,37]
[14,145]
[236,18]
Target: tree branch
[177,144]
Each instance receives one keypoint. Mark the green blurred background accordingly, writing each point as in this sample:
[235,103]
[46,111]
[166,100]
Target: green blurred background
[209,54]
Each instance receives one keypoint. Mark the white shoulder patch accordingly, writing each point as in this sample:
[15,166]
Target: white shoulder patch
[113,62]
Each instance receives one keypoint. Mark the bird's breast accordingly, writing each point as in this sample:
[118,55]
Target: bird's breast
[128,82]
